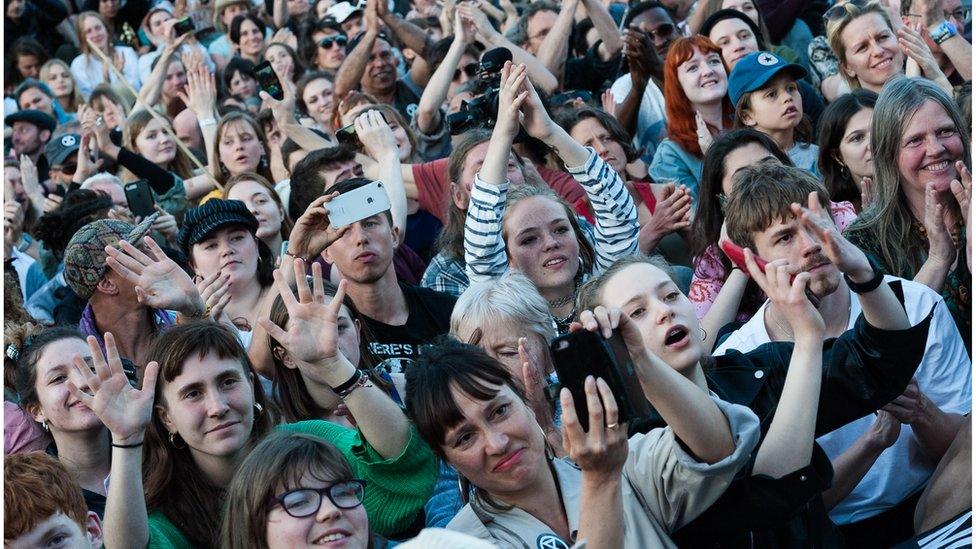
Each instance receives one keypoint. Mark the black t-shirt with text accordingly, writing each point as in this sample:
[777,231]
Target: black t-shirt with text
[429,317]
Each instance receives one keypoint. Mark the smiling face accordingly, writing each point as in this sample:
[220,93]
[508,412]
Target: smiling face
[239,148]
[498,445]
[666,318]
[251,41]
[155,144]
[541,243]
[260,203]
[56,406]
[279,58]
[589,132]
[94,31]
[230,249]
[735,38]
[210,404]
[380,75]
[703,78]
[330,526]
[929,147]
[775,107]
[60,81]
[855,146]
[871,52]
[318,99]
[33,98]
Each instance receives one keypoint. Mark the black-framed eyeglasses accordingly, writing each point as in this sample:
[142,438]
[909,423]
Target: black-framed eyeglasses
[305,502]
[471,69]
[839,11]
[340,39]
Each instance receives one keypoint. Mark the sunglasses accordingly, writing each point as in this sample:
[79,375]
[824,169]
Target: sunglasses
[960,14]
[662,32]
[840,11]
[471,69]
[340,39]
[305,502]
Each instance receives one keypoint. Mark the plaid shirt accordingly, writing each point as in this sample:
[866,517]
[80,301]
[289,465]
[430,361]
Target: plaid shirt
[446,274]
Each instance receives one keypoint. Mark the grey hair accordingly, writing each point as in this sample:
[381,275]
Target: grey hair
[101,177]
[889,217]
[511,298]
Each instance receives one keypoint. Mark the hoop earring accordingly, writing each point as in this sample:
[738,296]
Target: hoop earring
[44,426]
[464,486]
[172,440]
[704,334]
[259,408]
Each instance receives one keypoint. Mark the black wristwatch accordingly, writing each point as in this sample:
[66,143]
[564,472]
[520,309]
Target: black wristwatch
[870,285]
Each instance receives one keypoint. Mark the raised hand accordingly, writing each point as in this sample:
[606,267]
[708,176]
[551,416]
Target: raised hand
[159,282]
[642,57]
[670,215]
[201,91]
[885,430]
[215,292]
[478,20]
[309,314]
[165,225]
[13,223]
[788,293]
[376,136]
[913,45]
[31,182]
[511,95]
[608,102]
[125,410]
[285,36]
[602,451]
[535,118]
[845,256]
[464,30]
[313,233]
[702,132]
[962,189]
[93,123]
[122,213]
[909,406]
[938,225]
[86,167]
[867,192]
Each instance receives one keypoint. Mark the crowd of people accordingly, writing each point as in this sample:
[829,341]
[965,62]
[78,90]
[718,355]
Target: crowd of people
[764,204]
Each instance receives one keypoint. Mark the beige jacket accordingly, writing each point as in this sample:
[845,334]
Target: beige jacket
[664,488]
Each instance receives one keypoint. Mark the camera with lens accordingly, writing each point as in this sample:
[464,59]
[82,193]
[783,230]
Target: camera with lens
[482,111]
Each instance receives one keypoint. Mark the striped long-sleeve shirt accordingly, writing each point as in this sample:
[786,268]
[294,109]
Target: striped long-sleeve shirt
[613,208]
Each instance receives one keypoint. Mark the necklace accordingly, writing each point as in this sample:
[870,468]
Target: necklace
[561,301]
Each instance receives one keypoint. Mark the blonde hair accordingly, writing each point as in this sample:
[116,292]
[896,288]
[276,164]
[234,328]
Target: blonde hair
[75,100]
[79,28]
[835,27]
[134,125]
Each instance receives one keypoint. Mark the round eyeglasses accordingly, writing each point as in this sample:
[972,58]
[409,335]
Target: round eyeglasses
[305,502]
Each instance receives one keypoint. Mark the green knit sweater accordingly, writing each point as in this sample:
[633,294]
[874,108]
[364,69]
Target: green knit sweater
[396,489]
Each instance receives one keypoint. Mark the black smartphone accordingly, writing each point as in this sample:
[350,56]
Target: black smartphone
[347,137]
[583,353]
[184,26]
[140,198]
[268,80]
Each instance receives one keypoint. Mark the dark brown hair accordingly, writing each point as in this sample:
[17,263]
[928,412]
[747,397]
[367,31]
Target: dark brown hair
[451,240]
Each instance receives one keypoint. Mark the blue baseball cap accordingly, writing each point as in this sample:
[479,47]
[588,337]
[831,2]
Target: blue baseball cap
[754,70]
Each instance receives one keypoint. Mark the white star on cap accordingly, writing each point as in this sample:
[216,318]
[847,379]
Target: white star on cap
[767,59]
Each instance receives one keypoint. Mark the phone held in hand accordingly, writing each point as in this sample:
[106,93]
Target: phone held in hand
[358,204]
[139,197]
[738,258]
[348,138]
[268,80]
[184,26]
[582,353]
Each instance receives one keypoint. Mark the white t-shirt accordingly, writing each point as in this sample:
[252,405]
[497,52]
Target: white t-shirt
[944,376]
[651,119]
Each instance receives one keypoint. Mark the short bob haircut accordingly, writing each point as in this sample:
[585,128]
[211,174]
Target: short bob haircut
[837,178]
[569,118]
[510,299]
[440,367]
[763,193]
[276,465]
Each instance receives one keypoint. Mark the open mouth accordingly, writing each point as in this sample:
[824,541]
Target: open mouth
[883,64]
[709,83]
[791,111]
[554,262]
[331,537]
[937,166]
[676,335]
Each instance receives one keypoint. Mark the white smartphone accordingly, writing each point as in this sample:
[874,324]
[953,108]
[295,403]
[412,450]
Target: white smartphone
[358,204]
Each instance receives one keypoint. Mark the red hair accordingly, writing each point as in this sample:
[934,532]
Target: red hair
[678,109]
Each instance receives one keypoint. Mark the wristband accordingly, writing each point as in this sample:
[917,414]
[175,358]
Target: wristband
[345,388]
[870,285]
[136,445]
[943,32]
[209,121]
